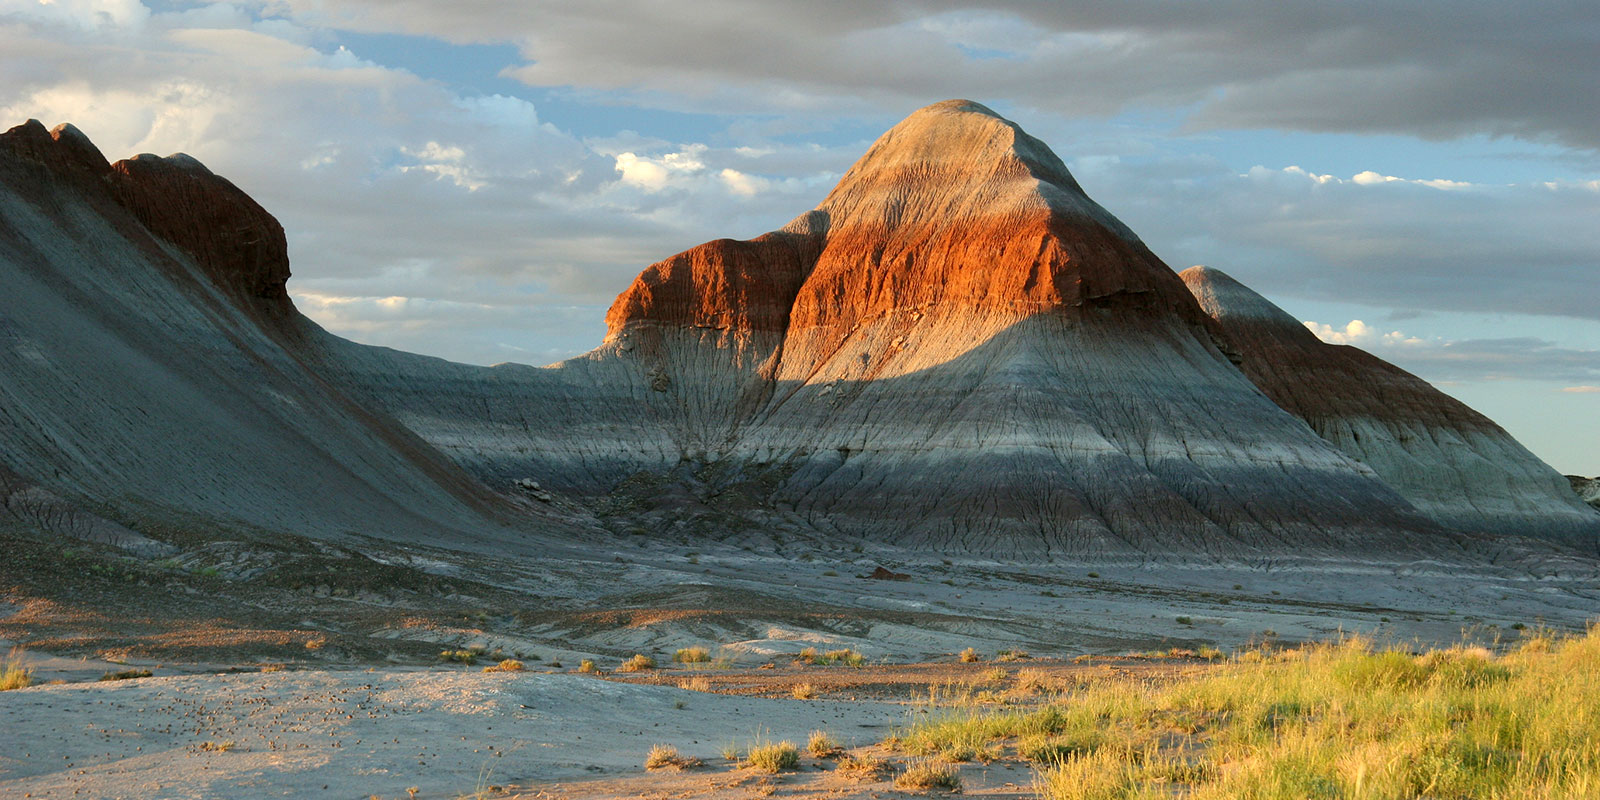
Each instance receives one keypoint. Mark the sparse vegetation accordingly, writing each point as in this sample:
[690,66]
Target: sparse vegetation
[692,655]
[970,655]
[928,774]
[804,691]
[863,768]
[508,665]
[13,675]
[638,663]
[586,665]
[821,745]
[695,684]
[458,656]
[1185,620]
[1338,720]
[779,757]
[217,747]
[127,674]
[665,756]
[845,657]
[1011,655]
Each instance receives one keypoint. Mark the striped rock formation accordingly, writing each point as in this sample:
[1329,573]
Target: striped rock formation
[956,349]
[1452,463]
[150,365]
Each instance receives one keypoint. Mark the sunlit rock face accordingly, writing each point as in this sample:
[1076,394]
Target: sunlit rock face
[1454,464]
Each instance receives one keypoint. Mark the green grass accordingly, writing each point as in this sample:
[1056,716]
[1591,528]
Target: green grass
[1346,720]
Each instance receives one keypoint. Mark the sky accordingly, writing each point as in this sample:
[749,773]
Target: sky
[478,180]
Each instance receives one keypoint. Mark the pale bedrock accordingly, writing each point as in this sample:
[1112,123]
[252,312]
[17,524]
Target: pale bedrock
[1454,464]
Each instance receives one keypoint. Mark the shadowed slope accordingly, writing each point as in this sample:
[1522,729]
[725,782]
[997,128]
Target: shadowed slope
[1453,463]
[140,370]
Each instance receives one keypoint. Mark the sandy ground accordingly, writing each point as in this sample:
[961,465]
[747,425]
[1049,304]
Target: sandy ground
[365,708]
[362,733]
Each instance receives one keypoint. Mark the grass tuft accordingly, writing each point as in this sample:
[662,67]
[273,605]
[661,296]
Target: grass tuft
[13,675]
[779,757]
[821,745]
[692,655]
[863,768]
[127,674]
[927,774]
[638,663]
[665,756]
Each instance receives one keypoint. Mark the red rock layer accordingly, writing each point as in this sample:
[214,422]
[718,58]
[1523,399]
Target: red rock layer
[954,208]
[240,246]
[727,285]
[1317,381]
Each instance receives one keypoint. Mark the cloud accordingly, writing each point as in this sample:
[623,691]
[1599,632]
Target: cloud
[1363,67]
[654,174]
[1582,389]
[1359,333]
[1472,360]
[394,184]
[1421,244]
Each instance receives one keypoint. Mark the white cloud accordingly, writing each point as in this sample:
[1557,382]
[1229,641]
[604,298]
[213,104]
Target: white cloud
[1359,333]
[446,162]
[1582,389]
[86,14]
[740,183]
[655,174]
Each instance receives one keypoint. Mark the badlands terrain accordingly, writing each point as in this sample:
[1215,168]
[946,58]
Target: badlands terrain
[956,405]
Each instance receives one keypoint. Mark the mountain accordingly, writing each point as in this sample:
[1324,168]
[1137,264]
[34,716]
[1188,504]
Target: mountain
[956,350]
[1450,462]
[1587,488]
[151,363]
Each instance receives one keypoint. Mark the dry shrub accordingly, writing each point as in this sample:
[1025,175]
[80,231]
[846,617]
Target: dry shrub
[665,756]
[692,655]
[638,663]
[778,757]
[821,745]
[508,665]
[12,674]
[863,768]
[970,655]
[925,774]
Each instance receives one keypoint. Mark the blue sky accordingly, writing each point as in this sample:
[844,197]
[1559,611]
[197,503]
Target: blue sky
[477,180]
